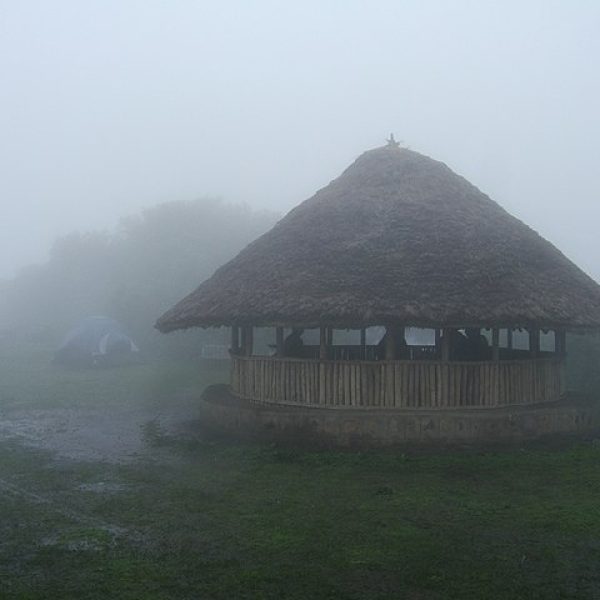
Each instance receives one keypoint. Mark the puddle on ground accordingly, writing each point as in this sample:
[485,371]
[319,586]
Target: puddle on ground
[95,435]
[103,487]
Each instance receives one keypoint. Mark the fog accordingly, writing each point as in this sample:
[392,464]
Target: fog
[143,144]
[110,106]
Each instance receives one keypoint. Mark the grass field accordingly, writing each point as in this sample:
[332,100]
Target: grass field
[190,516]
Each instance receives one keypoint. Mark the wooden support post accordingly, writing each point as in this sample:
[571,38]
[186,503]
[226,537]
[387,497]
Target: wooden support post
[560,345]
[438,335]
[323,343]
[390,343]
[249,340]
[446,344]
[330,336]
[243,343]
[235,339]
[509,338]
[363,343]
[495,344]
[534,342]
[560,342]
[279,342]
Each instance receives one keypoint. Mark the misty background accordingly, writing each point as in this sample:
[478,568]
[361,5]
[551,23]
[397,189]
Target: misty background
[109,110]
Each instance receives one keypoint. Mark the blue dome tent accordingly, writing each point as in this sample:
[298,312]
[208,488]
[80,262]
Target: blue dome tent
[96,341]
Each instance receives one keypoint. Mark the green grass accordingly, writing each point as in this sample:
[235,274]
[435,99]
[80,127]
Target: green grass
[29,380]
[206,518]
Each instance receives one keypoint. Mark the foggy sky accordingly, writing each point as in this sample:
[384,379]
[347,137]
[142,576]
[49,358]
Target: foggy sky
[108,106]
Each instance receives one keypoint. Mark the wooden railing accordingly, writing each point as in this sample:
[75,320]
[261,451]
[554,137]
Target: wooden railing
[397,384]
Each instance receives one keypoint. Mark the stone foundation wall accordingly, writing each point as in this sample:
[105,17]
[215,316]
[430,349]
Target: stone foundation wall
[383,427]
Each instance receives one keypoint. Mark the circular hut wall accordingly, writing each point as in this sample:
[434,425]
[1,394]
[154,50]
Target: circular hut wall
[343,376]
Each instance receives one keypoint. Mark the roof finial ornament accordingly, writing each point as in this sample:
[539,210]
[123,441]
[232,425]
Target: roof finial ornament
[392,141]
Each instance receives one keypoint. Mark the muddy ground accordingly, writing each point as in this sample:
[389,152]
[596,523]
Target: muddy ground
[98,434]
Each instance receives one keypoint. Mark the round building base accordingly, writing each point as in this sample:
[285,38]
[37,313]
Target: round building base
[355,427]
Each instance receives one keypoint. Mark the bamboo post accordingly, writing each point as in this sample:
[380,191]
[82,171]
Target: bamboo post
[249,340]
[560,342]
[235,339]
[323,343]
[279,342]
[446,344]
[390,344]
[495,344]
[243,337]
[363,343]
[534,342]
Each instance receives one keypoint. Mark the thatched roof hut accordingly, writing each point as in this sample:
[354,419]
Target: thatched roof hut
[397,239]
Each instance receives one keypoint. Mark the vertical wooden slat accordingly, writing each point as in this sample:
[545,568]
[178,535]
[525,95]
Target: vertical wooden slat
[340,384]
[440,387]
[488,376]
[424,385]
[499,383]
[313,376]
[457,382]
[484,400]
[450,385]
[391,377]
[398,384]
[334,383]
[322,367]
[430,374]
[302,383]
[492,391]
[467,386]
[346,380]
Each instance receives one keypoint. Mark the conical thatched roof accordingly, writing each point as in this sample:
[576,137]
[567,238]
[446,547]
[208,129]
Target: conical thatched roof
[398,238]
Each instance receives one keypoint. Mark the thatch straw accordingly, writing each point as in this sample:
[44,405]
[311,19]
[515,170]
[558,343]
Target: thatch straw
[398,238]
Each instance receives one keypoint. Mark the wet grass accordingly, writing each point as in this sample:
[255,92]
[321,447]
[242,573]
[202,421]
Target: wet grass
[206,518]
[29,380]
